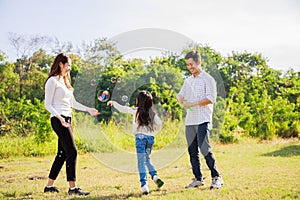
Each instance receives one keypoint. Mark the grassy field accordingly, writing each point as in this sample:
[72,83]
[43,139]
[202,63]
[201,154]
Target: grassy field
[250,169]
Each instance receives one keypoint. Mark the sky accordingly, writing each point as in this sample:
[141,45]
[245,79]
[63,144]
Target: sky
[269,27]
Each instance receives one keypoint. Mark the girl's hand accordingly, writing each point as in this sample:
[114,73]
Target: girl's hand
[110,103]
[93,111]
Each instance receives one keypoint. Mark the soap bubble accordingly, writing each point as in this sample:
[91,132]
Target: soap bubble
[113,79]
[124,98]
[93,82]
[103,96]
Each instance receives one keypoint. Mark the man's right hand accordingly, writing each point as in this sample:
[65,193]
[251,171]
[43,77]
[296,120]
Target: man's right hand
[179,99]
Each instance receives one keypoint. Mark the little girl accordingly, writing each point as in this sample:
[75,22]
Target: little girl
[145,122]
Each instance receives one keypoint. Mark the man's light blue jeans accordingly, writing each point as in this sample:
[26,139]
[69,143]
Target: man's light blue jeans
[144,144]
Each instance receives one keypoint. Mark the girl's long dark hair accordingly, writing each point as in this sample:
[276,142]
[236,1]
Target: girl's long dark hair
[145,113]
[55,69]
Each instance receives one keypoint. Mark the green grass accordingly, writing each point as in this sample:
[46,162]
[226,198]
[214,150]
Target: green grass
[250,169]
[25,146]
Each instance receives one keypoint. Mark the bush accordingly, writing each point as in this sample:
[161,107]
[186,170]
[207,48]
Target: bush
[25,146]
[24,118]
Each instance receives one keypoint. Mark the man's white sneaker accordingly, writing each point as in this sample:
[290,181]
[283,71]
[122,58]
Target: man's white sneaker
[195,183]
[217,182]
[145,190]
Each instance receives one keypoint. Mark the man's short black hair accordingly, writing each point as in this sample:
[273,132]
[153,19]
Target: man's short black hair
[195,55]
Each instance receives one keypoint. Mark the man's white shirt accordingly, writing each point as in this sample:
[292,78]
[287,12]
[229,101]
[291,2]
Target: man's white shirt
[195,89]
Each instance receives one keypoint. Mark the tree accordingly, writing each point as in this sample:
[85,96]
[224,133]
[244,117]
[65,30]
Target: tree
[258,95]
[24,46]
[8,79]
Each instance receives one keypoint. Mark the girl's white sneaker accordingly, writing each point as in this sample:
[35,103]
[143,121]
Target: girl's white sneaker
[145,190]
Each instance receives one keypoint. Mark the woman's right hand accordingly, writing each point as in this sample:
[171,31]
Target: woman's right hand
[94,112]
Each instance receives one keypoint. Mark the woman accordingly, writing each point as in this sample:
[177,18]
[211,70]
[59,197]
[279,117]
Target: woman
[59,100]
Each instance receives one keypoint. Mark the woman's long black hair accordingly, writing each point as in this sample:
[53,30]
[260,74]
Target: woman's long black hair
[145,113]
[55,69]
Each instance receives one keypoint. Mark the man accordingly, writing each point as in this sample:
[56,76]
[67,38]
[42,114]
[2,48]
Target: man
[198,93]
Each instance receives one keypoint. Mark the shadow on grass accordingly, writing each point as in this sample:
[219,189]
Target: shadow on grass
[293,150]
[8,194]
[156,192]
[113,196]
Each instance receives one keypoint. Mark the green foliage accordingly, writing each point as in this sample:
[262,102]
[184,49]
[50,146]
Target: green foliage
[41,61]
[22,118]
[129,78]
[11,147]
[254,100]
[258,101]
[218,117]
[33,85]
[8,79]
[241,66]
